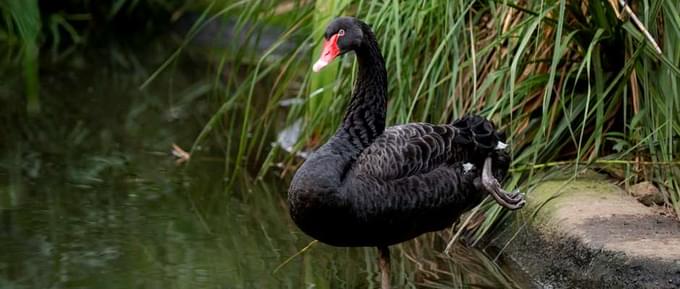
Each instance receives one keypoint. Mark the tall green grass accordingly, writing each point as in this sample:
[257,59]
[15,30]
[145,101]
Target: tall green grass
[28,27]
[22,29]
[573,85]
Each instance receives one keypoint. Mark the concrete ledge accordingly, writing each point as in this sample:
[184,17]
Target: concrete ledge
[589,233]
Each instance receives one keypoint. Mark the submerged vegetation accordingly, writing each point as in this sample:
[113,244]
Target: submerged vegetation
[575,84]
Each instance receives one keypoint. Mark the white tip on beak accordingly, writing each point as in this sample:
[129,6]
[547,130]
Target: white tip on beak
[319,65]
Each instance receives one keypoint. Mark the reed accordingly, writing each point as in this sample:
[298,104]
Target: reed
[572,82]
[576,84]
[22,29]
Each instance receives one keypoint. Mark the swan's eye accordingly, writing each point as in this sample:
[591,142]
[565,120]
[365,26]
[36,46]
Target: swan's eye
[341,32]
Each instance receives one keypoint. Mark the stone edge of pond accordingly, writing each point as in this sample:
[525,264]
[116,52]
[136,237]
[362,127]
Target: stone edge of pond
[589,233]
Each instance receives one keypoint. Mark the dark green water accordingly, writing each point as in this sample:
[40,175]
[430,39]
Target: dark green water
[90,196]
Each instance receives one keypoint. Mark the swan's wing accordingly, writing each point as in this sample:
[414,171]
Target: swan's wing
[417,148]
[407,150]
[410,180]
[392,211]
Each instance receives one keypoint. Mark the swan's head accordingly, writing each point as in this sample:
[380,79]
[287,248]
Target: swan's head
[342,35]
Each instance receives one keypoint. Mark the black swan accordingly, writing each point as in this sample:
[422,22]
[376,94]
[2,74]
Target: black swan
[376,186]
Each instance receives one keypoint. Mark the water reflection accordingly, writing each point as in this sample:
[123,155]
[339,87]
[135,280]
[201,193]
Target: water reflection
[91,198]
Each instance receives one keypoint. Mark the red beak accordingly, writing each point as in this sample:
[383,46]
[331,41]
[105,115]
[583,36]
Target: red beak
[330,51]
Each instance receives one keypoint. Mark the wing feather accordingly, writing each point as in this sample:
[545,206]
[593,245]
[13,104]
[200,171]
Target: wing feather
[407,150]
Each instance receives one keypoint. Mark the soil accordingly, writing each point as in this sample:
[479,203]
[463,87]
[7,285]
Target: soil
[591,234]
[565,262]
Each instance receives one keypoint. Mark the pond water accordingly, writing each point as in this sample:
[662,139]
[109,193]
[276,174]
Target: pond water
[90,196]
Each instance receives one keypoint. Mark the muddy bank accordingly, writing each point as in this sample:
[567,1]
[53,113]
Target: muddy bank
[591,234]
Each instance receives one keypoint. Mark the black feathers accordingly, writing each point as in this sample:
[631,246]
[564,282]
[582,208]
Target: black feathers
[376,186]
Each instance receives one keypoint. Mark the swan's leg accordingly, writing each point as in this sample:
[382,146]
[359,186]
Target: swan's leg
[511,201]
[515,194]
[490,183]
[384,261]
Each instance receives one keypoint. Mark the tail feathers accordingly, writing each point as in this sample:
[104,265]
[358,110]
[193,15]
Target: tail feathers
[482,140]
[480,131]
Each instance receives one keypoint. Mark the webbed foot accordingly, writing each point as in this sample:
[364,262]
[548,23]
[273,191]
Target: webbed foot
[512,201]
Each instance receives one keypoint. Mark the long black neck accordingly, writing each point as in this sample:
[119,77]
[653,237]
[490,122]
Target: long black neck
[364,121]
[365,116]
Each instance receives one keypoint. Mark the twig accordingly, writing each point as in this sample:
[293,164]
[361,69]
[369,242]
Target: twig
[295,255]
[460,230]
[182,155]
[636,21]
